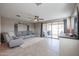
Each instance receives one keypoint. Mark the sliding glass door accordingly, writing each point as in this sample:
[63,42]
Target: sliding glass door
[49,29]
[44,30]
[60,28]
[53,30]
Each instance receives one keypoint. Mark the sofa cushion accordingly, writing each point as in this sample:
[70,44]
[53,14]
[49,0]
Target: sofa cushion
[17,42]
[14,37]
[11,35]
[19,33]
[24,33]
[27,33]
[7,38]
[30,32]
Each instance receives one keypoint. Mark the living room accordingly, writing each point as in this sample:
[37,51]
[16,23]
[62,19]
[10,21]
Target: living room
[42,29]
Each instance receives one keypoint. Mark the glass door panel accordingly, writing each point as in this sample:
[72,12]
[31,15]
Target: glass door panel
[49,30]
[61,29]
[44,30]
[54,30]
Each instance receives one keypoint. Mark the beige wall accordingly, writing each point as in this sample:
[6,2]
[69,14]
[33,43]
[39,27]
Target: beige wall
[0,28]
[7,25]
[23,27]
[31,27]
[0,24]
[38,28]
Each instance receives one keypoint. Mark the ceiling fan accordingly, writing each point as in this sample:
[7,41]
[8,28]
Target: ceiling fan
[37,18]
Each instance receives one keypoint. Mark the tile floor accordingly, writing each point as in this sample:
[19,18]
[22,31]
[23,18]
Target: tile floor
[44,47]
[35,47]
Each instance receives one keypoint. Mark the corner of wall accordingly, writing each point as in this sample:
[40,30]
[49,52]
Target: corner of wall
[0,29]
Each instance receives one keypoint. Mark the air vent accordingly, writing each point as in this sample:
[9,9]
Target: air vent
[38,4]
[18,15]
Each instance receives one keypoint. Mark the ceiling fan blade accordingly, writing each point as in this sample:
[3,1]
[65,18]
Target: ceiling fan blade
[35,18]
[41,19]
[29,18]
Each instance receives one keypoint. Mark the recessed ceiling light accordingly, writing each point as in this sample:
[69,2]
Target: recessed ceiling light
[18,15]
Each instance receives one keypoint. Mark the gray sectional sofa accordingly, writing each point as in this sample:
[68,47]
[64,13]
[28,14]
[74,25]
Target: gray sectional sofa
[25,34]
[18,39]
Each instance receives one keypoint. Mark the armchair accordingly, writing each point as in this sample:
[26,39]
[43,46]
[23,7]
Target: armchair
[12,42]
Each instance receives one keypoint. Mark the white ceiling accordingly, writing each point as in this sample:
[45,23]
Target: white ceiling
[47,11]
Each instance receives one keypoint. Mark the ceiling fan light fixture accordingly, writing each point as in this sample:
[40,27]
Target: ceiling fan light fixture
[35,20]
